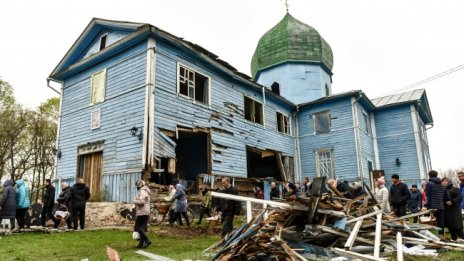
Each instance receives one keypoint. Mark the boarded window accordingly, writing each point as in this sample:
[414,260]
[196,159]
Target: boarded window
[283,123]
[322,122]
[325,163]
[98,83]
[253,111]
[193,84]
[366,122]
[103,40]
[275,87]
[95,119]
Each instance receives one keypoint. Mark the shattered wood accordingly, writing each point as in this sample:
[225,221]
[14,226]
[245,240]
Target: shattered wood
[327,226]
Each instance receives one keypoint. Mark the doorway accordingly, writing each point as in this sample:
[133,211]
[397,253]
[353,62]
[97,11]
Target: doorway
[192,155]
[90,168]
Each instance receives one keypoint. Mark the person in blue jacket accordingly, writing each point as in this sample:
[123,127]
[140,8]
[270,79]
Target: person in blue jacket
[23,203]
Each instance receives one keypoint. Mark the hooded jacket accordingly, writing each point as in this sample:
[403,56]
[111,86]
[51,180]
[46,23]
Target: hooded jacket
[22,195]
[8,201]
[181,199]
[142,202]
[399,194]
[436,194]
[64,197]
[79,195]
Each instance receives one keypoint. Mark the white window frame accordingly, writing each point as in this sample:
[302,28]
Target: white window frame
[366,120]
[106,43]
[194,71]
[318,165]
[314,122]
[92,102]
[283,118]
[92,114]
[263,111]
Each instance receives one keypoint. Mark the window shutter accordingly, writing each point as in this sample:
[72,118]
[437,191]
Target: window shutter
[98,87]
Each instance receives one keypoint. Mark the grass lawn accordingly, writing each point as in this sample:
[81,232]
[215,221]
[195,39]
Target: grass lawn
[176,243]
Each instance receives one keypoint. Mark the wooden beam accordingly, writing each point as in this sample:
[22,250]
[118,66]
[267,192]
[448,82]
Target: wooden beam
[353,235]
[403,217]
[355,255]
[378,235]
[344,234]
[152,256]
[364,216]
[399,247]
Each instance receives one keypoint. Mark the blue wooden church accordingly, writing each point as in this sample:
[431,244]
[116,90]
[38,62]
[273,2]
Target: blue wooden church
[137,100]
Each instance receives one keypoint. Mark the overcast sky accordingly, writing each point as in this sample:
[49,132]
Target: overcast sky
[379,46]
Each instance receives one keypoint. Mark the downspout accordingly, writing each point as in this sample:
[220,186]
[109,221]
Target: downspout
[297,143]
[357,137]
[55,164]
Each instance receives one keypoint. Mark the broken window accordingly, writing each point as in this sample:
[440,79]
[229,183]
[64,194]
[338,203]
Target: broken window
[322,122]
[275,88]
[253,111]
[98,82]
[283,123]
[103,41]
[193,84]
[325,163]
[366,122]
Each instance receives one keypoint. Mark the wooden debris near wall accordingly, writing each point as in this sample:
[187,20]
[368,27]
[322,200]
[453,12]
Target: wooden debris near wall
[335,227]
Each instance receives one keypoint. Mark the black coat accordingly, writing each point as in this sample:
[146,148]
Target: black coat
[65,197]
[399,194]
[275,193]
[48,198]
[453,215]
[8,201]
[229,207]
[436,194]
[79,195]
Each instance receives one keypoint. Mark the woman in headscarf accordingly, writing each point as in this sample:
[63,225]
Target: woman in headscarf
[381,195]
[181,205]
[142,212]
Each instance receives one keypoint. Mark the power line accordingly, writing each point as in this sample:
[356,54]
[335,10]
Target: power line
[429,79]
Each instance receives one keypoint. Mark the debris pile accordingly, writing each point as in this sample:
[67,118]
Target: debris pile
[328,227]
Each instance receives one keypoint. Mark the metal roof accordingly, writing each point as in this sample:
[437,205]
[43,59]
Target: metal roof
[405,97]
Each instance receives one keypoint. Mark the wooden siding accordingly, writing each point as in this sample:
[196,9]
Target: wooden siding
[341,139]
[112,37]
[396,139]
[367,143]
[231,133]
[122,109]
[120,187]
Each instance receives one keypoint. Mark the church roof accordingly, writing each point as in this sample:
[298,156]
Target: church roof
[291,40]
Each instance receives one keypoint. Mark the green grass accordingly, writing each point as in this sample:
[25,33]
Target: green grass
[175,243]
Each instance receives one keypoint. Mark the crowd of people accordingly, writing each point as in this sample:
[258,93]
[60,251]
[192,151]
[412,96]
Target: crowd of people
[15,204]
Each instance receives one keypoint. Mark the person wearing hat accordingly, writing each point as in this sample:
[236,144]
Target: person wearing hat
[48,200]
[415,201]
[142,213]
[399,196]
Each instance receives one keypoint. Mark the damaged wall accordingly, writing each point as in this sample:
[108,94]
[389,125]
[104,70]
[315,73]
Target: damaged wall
[230,132]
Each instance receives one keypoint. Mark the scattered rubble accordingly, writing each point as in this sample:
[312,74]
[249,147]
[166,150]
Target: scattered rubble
[328,227]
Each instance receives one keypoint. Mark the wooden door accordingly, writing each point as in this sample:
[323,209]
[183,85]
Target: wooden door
[91,171]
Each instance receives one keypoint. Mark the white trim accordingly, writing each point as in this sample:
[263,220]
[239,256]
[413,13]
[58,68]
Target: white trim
[419,151]
[58,127]
[354,109]
[332,163]
[179,64]
[374,140]
[297,146]
[91,119]
[149,104]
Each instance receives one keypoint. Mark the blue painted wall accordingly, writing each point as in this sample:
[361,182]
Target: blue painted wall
[367,143]
[122,109]
[299,82]
[395,137]
[112,37]
[224,113]
[341,139]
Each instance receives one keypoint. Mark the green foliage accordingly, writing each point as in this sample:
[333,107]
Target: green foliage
[92,245]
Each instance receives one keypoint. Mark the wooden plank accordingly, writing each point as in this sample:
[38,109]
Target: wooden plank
[378,235]
[355,255]
[345,234]
[152,256]
[399,247]
[403,217]
[364,216]
[353,235]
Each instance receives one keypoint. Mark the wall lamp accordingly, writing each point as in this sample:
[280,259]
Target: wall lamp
[56,152]
[137,132]
[398,162]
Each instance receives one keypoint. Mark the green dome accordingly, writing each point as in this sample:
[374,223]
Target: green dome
[291,40]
